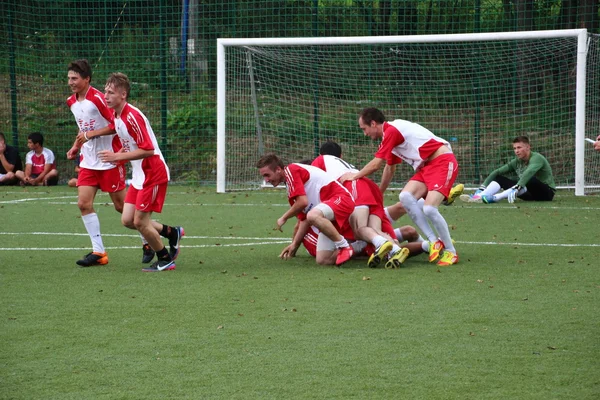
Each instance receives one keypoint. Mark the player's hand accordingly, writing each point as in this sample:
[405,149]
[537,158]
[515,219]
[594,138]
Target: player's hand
[348,176]
[514,192]
[107,156]
[81,137]
[72,153]
[2,147]
[288,252]
[280,222]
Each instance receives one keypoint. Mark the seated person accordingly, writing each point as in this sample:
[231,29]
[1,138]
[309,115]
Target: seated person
[73,181]
[536,181]
[10,162]
[40,166]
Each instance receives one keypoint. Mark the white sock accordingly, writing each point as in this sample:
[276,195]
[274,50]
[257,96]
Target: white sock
[358,245]
[491,189]
[378,241]
[506,192]
[425,246]
[92,225]
[416,214]
[440,226]
[342,243]
[398,233]
[420,239]
[388,216]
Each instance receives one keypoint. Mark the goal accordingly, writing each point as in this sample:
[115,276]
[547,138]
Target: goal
[478,91]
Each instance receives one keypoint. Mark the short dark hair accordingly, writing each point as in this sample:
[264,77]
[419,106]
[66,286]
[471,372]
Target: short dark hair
[36,137]
[270,160]
[331,148]
[521,139]
[120,81]
[82,67]
[370,114]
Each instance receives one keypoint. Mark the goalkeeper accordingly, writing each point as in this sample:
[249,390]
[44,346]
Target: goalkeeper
[535,179]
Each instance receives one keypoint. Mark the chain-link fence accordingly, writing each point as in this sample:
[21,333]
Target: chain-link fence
[167,48]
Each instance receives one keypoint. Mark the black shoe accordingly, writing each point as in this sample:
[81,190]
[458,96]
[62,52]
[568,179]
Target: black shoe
[91,259]
[148,254]
[176,236]
[160,265]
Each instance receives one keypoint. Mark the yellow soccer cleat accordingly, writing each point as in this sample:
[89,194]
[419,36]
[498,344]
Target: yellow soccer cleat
[435,249]
[448,259]
[397,259]
[379,254]
[454,194]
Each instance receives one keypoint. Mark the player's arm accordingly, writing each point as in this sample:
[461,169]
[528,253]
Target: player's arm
[27,171]
[499,171]
[8,167]
[300,203]
[535,164]
[83,137]
[300,230]
[373,166]
[386,177]
[138,154]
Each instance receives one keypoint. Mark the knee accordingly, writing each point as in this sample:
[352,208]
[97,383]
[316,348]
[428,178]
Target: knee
[128,223]
[313,216]
[409,233]
[406,198]
[326,259]
[85,206]
[430,211]
[119,207]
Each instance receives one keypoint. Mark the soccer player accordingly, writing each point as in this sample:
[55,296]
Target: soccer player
[96,133]
[435,168]
[40,164]
[10,162]
[535,182]
[316,198]
[368,219]
[150,174]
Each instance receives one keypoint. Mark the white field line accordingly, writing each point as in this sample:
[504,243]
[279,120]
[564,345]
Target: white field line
[255,241]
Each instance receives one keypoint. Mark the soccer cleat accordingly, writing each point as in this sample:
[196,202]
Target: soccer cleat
[435,249]
[448,259]
[93,258]
[455,192]
[160,265]
[148,254]
[177,234]
[474,198]
[344,254]
[397,259]
[488,199]
[379,254]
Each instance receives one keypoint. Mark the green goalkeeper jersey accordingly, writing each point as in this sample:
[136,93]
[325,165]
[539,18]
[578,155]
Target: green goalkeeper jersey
[537,166]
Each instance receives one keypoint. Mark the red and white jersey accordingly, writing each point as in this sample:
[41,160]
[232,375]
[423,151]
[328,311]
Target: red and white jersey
[90,114]
[408,141]
[39,161]
[333,165]
[312,182]
[135,132]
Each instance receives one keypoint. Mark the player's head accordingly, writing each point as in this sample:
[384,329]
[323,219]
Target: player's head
[521,147]
[331,148]
[34,139]
[370,121]
[116,90]
[80,75]
[271,169]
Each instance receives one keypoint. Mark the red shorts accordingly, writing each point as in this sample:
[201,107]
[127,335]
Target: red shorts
[438,174]
[310,242]
[342,206]
[150,199]
[365,192]
[108,180]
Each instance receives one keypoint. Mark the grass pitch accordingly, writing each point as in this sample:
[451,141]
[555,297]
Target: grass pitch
[517,318]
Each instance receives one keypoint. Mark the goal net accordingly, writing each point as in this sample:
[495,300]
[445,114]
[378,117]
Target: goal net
[478,91]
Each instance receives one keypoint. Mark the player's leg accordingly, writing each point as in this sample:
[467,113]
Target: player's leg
[492,193]
[143,223]
[536,191]
[85,202]
[321,216]
[409,196]
[326,253]
[51,178]
[395,211]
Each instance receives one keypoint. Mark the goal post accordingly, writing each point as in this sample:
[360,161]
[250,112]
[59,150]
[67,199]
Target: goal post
[478,91]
